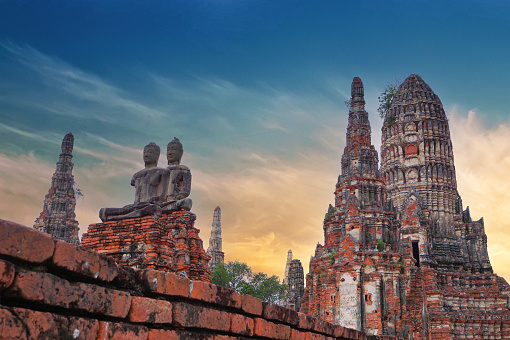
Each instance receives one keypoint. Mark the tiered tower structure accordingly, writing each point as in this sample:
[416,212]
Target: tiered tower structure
[58,217]
[400,255]
[215,242]
[287,266]
[343,285]
[296,285]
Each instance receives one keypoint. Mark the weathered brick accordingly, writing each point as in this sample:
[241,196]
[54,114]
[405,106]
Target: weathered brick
[227,297]
[52,290]
[305,321]
[241,324]
[20,323]
[297,335]
[6,274]
[203,291]
[121,331]
[165,283]
[161,334]
[251,304]
[186,315]
[279,313]
[150,310]
[85,262]
[25,243]
[271,330]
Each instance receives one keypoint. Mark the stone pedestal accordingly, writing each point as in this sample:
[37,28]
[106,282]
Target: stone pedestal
[169,243]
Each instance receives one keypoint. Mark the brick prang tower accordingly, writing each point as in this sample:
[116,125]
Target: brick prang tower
[215,242]
[400,255]
[58,217]
[296,285]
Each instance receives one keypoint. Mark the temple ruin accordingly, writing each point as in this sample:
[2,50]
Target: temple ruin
[215,242]
[57,217]
[400,255]
[295,281]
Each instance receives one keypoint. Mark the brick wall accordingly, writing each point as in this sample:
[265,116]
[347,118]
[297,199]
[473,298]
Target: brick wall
[54,290]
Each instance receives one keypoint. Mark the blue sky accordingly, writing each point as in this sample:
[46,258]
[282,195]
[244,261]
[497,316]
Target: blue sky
[255,90]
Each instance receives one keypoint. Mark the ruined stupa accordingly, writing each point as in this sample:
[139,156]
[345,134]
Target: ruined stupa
[400,255]
[215,242]
[57,217]
[295,281]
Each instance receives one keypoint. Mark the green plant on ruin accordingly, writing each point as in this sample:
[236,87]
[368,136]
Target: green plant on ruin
[380,245]
[332,257]
[331,211]
[391,91]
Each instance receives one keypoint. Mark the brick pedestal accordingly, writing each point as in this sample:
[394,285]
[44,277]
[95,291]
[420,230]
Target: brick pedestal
[169,243]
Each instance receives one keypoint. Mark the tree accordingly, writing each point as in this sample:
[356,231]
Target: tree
[238,276]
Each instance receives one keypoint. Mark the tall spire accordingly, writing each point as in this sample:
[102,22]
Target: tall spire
[215,242]
[58,217]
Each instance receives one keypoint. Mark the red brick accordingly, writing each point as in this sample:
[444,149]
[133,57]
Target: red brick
[227,297]
[6,274]
[165,283]
[271,330]
[203,291]
[186,315]
[85,262]
[305,321]
[161,334]
[150,310]
[297,335]
[251,304]
[241,324]
[25,243]
[52,290]
[121,331]
[20,323]
[279,313]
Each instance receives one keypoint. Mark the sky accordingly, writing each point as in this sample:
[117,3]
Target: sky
[255,90]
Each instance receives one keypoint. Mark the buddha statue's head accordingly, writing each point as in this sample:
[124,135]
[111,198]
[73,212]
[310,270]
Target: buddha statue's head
[151,154]
[174,152]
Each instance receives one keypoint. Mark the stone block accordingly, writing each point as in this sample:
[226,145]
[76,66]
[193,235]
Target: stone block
[20,323]
[241,324]
[271,330]
[121,331]
[251,305]
[85,262]
[191,316]
[164,283]
[150,310]
[54,291]
[6,274]
[25,243]
[227,297]
[279,313]
[203,291]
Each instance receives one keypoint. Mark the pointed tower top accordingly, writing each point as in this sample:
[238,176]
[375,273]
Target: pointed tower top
[68,143]
[217,208]
[357,92]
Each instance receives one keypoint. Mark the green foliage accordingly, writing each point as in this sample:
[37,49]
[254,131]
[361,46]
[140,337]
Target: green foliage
[391,91]
[331,211]
[332,257]
[238,276]
[380,245]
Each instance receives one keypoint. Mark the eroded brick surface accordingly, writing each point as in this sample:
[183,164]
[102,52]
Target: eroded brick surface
[271,330]
[25,243]
[241,324]
[52,290]
[6,274]
[187,315]
[150,310]
[121,331]
[84,261]
[20,323]
[164,283]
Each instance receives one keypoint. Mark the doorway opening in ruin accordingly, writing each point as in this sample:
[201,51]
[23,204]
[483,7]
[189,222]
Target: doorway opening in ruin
[416,253]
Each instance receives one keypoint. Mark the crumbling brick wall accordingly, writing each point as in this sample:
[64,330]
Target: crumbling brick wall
[55,290]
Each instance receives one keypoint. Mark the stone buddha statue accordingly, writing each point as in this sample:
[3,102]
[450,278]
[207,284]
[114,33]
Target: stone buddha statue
[179,179]
[150,184]
[158,190]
